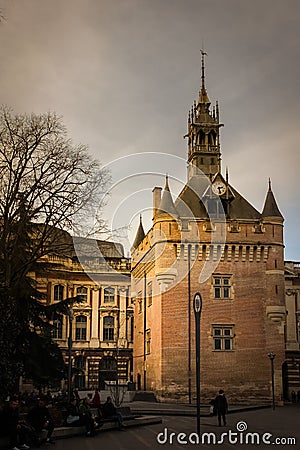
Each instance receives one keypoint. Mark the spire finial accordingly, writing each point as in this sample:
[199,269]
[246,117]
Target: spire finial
[203,53]
[167,187]
[270,187]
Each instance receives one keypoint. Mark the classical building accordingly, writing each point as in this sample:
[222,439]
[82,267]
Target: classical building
[291,366]
[211,240]
[102,324]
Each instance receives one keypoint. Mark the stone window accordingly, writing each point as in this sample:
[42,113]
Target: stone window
[58,292]
[108,328]
[223,337]
[83,292]
[109,295]
[81,327]
[222,286]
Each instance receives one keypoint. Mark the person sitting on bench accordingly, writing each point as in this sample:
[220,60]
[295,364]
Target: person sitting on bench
[40,419]
[109,411]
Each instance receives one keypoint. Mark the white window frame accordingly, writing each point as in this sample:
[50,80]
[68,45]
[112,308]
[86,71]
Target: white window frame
[82,329]
[108,328]
[109,293]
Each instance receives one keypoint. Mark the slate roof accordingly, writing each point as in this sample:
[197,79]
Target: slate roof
[189,204]
[270,207]
[140,234]
[166,204]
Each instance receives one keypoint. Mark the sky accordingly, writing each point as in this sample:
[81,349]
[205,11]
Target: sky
[124,73]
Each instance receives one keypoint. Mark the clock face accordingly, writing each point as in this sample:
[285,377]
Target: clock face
[219,188]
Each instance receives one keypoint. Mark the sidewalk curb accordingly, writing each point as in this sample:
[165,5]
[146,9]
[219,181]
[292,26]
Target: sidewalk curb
[178,412]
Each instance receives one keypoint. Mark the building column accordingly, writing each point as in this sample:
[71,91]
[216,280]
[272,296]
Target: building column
[94,341]
[123,293]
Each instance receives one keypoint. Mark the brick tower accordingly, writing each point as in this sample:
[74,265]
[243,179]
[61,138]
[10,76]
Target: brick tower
[211,240]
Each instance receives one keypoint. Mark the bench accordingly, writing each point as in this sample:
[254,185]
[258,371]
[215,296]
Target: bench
[123,410]
[126,412]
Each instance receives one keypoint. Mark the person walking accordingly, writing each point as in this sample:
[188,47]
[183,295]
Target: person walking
[221,406]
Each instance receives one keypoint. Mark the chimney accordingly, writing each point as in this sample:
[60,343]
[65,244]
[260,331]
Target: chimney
[156,199]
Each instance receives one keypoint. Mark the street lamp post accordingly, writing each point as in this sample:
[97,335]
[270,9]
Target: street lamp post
[71,317]
[272,355]
[197,312]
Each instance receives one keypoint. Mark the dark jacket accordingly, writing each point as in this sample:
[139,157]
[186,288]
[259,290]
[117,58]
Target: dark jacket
[38,416]
[221,404]
[72,410]
[108,409]
[10,419]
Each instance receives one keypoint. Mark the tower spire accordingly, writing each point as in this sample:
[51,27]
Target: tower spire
[140,234]
[167,205]
[203,133]
[203,53]
[270,207]
[204,101]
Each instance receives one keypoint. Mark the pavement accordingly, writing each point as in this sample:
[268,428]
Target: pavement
[151,413]
[183,409]
[281,424]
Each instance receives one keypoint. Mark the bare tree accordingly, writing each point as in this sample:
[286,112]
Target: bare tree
[45,181]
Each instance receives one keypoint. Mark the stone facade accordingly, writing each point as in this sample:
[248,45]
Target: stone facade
[291,366]
[102,325]
[213,241]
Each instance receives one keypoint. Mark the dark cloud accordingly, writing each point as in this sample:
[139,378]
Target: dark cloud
[124,73]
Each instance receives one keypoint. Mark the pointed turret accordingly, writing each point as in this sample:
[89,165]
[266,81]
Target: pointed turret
[167,205]
[203,133]
[270,207]
[140,234]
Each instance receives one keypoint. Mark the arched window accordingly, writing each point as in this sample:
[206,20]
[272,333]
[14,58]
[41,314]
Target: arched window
[58,324]
[81,327]
[58,292]
[109,295]
[83,292]
[108,328]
